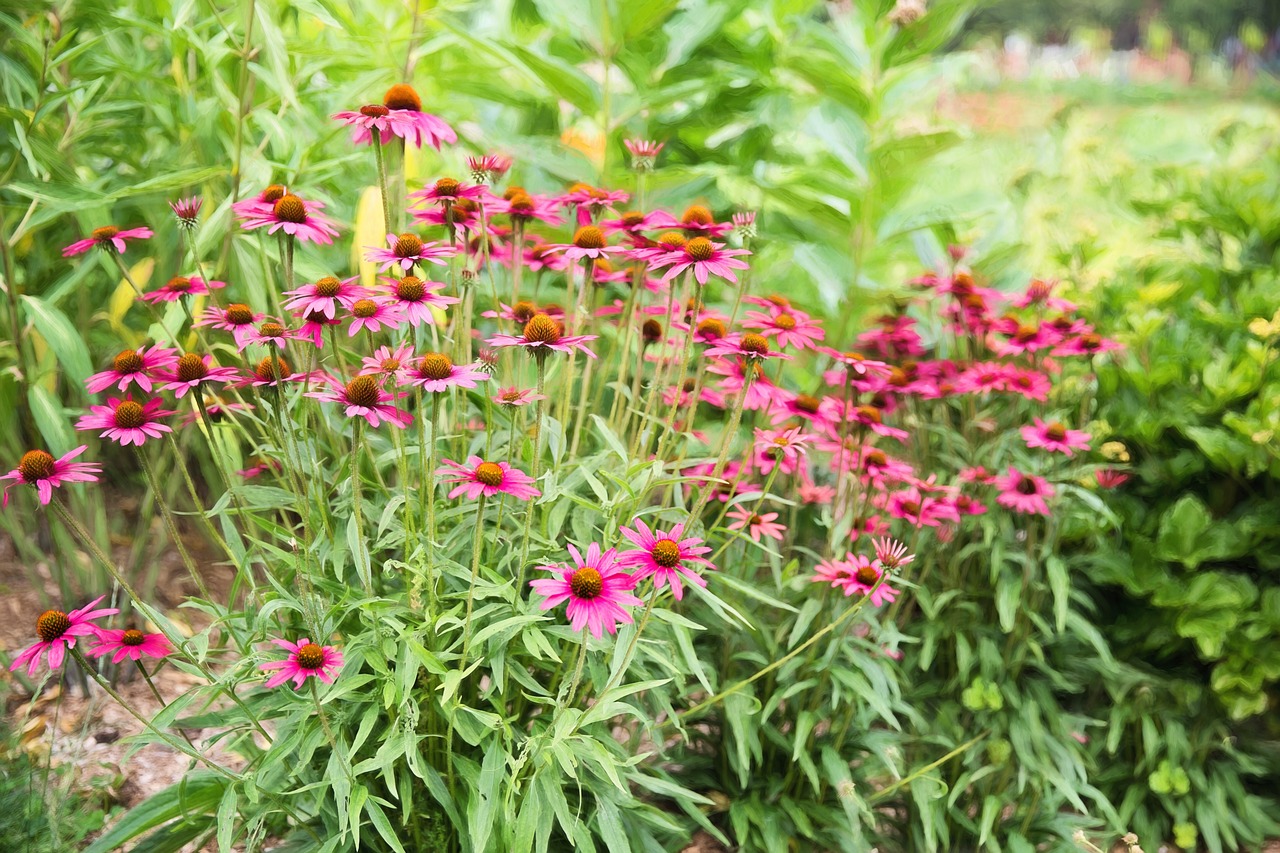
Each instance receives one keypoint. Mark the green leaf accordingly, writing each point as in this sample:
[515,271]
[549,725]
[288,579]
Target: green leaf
[199,793]
[64,340]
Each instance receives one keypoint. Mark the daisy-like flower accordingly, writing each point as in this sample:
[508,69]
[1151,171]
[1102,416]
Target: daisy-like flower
[1040,293]
[478,477]
[261,204]
[235,318]
[415,298]
[58,632]
[633,222]
[921,510]
[313,325]
[258,465]
[788,327]
[388,362]
[1055,437]
[749,346]
[127,421]
[191,371]
[406,250]
[136,367]
[269,373]
[592,201]
[373,313]
[1023,337]
[744,224]
[326,296]
[1110,478]
[446,191]
[698,219]
[295,217]
[872,417]
[588,242]
[596,589]
[784,447]
[1088,343]
[856,574]
[410,123]
[514,397]
[487,168]
[1023,493]
[436,372]
[1031,384]
[306,660]
[821,412]
[704,257]
[891,554]
[757,525]
[363,397]
[129,643]
[543,334]
[187,211]
[525,207]
[644,153]
[667,556]
[38,468]
[366,120]
[762,394]
[180,286]
[268,334]
[108,238]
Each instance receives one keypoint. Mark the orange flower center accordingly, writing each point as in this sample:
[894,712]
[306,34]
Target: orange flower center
[268,369]
[273,193]
[489,473]
[697,215]
[374,111]
[51,625]
[632,218]
[586,583]
[105,233]
[130,415]
[712,329]
[674,240]
[867,575]
[271,330]
[239,315]
[652,330]
[755,344]
[364,308]
[1026,333]
[447,187]
[785,321]
[407,246]
[310,656]
[521,204]
[128,362]
[1056,431]
[870,414]
[133,637]
[410,289]
[191,368]
[806,403]
[1027,486]
[363,391]
[328,287]
[522,312]
[290,208]
[898,377]
[589,237]
[874,459]
[401,96]
[436,366]
[35,465]
[666,553]
[180,283]
[699,249]
[513,191]
[541,329]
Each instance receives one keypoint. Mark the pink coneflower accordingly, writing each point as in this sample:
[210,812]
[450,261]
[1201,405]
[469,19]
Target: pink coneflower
[326,296]
[781,446]
[269,333]
[108,238]
[57,632]
[749,346]
[982,378]
[313,325]
[388,362]
[592,201]
[542,334]
[415,298]
[258,466]
[1040,293]
[698,219]
[822,412]
[407,250]
[683,396]
[235,318]
[410,123]
[666,556]
[38,468]
[814,493]
[187,211]
[1055,437]
[295,217]
[790,328]
[704,257]
[1029,383]
[129,643]
[446,191]
[137,367]
[366,120]
[921,510]
[762,394]
[127,421]
[514,397]
[892,554]
[1023,337]
[1023,493]
[436,372]
[363,397]
[1088,343]
[1108,478]
[596,589]
[269,373]
[373,313]
[525,207]
[306,660]
[180,286]
[488,167]
[872,417]
[757,525]
[744,224]
[644,153]
[191,371]
[588,242]
[523,312]
[478,478]
[633,222]
[261,204]
[855,574]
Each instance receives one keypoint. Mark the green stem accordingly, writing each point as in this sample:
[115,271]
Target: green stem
[365,572]
[172,524]
[477,546]
[577,672]
[376,137]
